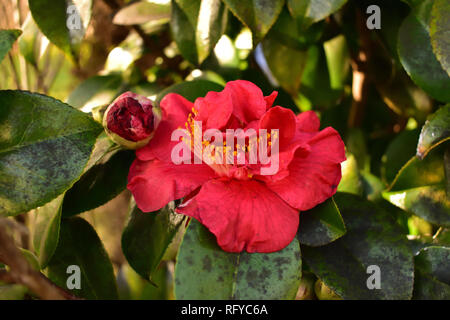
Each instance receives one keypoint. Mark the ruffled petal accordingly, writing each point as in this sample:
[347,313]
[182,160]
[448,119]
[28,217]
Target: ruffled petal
[280,119]
[314,176]
[308,121]
[214,110]
[270,99]
[248,100]
[175,110]
[243,215]
[156,183]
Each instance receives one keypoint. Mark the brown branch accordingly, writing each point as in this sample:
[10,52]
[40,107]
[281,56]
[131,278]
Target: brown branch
[21,272]
[360,83]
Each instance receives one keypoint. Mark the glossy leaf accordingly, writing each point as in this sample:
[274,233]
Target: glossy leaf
[440,32]
[43,141]
[432,275]
[435,131]
[420,187]
[101,183]
[258,15]
[351,180]
[46,230]
[142,12]
[79,245]
[147,237]
[191,90]
[7,39]
[183,32]
[398,152]
[286,63]
[212,21]
[419,61]
[310,11]
[372,238]
[227,275]
[64,15]
[321,225]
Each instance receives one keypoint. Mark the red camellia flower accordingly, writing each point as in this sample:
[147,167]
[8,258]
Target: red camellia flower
[130,120]
[244,209]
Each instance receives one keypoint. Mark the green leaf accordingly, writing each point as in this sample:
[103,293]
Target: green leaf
[435,131]
[398,152]
[147,237]
[310,11]
[190,90]
[419,61]
[351,180]
[44,146]
[372,238]
[321,225]
[55,17]
[432,274]
[286,63]
[101,183]
[142,12]
[183,32]
[46,230]
[79,245]
[212,21]
[420,188]
[197,25]
[258,15]
[227,275]
[95,91]
[31,258]
[7,39]
[440,32]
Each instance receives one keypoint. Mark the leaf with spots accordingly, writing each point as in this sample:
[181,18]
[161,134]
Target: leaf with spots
[7,39]
[440,32]
[372,238]
[44,147]
[79,245]
[321,225]
[420,188]
[225,275]
[147,237]
[417,57]
[435,131]
[432,274]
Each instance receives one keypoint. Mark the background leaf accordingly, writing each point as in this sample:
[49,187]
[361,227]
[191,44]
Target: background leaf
[79,245]
[310,11]
[372,238]
[46,230]
[227,275]
[46,146]
[258,15]
[142,12]
[191,90]
[56,29]
[7,39]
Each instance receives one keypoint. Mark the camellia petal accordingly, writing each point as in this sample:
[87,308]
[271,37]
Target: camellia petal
[314,178]
[156,183]
[175,110]
[243,215]
[308,121]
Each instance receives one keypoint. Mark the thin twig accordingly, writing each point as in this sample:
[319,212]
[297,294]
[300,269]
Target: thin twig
[21,272]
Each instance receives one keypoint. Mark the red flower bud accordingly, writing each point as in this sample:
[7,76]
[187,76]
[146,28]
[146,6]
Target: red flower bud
[131,120]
